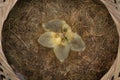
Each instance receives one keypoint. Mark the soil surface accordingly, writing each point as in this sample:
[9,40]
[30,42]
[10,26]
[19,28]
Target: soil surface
[89,18]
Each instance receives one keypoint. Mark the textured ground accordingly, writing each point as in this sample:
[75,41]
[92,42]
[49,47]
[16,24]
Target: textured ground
[88,18]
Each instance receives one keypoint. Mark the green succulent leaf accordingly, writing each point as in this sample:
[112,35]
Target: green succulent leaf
[62,52]
[54,25]
[66,27]
[47,39]
[77,44]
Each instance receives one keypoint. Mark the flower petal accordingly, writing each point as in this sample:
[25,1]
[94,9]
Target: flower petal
[62,52]
[54,25]
[48,40]
[77,44]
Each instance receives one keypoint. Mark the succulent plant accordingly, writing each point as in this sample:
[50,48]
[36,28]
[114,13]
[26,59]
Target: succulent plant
[60,37]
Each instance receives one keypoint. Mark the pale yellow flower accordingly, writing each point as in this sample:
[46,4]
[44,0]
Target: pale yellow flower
[60,37]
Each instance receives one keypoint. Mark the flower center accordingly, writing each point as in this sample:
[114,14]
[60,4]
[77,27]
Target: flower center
[63,38]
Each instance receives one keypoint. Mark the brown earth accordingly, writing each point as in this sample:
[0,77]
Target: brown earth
[88,18]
